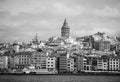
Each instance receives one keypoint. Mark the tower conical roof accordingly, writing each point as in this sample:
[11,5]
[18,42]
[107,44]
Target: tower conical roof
[65,24]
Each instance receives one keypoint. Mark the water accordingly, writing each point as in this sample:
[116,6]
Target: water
[58,78]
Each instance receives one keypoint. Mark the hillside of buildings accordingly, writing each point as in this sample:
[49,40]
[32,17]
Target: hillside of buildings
[98,52]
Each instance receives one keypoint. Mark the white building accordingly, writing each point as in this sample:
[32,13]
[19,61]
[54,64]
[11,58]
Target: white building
[51,63]
[70,64]
[114,64]
[3,62]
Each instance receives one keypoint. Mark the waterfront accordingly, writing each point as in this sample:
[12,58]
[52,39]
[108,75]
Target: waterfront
[58,78]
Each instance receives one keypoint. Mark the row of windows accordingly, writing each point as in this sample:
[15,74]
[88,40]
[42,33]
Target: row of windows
[103,66]
[23,56]
[70,68]
[114,66]
[24,59]
[113,59]
[70,61]
[50,65]
[70,64]
[50,62]
[114,62]
[110,63]
[50,58]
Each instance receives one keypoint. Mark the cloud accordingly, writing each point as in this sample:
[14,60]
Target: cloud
[107,12]
[22,19]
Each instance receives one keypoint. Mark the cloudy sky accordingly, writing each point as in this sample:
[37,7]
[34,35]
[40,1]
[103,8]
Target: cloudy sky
[22,19]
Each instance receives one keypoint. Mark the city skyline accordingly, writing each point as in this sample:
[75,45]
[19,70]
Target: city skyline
[22,19]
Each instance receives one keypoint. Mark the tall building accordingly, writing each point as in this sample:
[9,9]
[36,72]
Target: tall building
[62,63]
[81,63]
[3,62]
[70,64]
[39,60]
[65,30]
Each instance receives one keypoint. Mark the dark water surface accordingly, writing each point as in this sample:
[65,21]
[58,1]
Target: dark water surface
[58,78]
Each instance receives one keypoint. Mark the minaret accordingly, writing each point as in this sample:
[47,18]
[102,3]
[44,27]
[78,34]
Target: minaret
[65,30]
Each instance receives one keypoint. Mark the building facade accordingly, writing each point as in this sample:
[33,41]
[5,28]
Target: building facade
[51,63]
[104,45]
[3,62]
[70,64]
[81,63]
[39,60]
[114,64]
[62,63]
[22,60]
[102,64]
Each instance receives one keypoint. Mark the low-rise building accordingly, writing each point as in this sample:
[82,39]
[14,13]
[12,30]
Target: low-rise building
[3,62]
[114,64]
[62,63]
[102,64]
[89,64]
[21,60]
[79,63]
[83,63]
[38,59]
[51,63]
[70,64]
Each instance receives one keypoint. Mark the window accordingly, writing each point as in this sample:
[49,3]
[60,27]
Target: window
[72,69]
[51,65]
[116,65]
[51,62]
[68,64]
[48,62]
[51,58]
[111,59]
[72,66]
[111,65]
[68,61]
[68,67]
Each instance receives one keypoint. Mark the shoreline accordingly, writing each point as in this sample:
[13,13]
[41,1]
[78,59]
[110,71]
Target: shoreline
[96,74]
